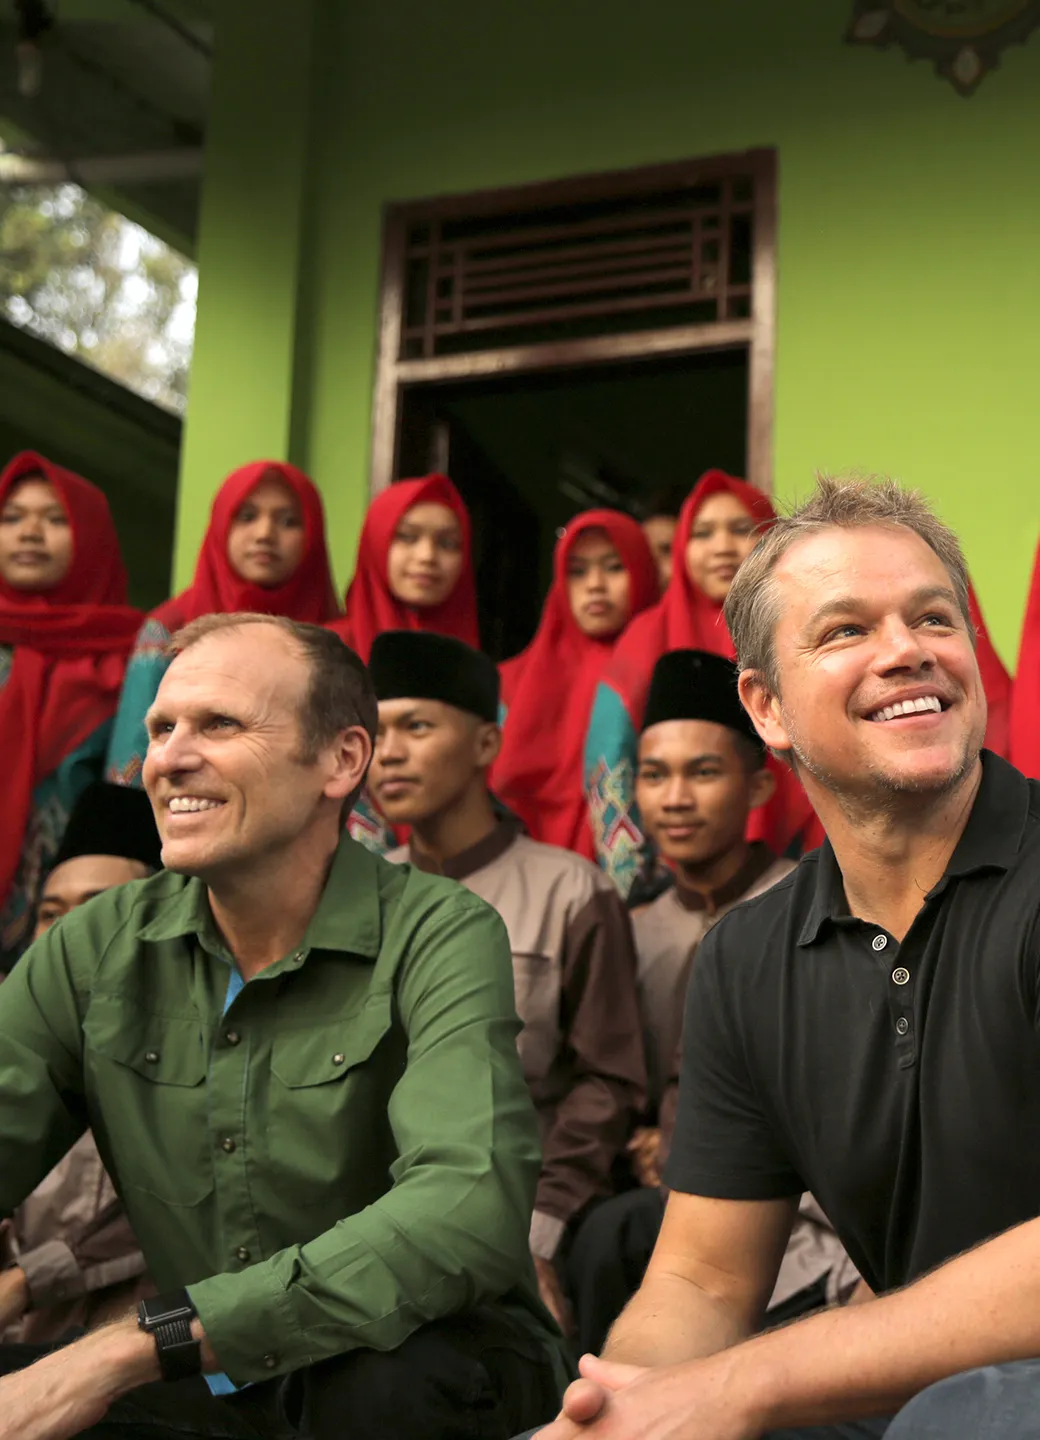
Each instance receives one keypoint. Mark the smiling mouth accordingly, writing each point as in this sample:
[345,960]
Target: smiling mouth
[923,705]
[192,804]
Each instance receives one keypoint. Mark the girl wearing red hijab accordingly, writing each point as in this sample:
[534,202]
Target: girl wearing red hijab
[414,570]
[264,551]
[718,527]
[1025,699]
[604,574]
[65,633]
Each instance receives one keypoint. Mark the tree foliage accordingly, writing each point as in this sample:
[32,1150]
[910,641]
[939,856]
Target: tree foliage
[99,287]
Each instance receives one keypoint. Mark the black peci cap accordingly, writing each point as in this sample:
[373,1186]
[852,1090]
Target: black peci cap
[419,665]
[696,685]
[111,820]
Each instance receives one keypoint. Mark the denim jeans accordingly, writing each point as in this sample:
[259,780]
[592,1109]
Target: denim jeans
[1000,1402]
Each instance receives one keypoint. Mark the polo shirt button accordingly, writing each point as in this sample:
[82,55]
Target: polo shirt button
[227,1144]
[900,976]
[338,1058]
[152,1056]
[242,1253]
[902,1025]
[270,1361]
[879,942]
[232,1037]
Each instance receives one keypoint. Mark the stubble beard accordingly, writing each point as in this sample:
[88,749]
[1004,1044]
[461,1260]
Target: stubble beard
[877,791]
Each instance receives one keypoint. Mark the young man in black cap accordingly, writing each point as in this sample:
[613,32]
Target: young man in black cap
[701,771]
[70,1256]
[574,968]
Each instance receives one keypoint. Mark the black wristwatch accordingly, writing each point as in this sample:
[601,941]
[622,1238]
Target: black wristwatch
[168,1318]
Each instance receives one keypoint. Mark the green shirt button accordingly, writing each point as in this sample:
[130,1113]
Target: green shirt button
[270,1361]
[338,1059]
[227,1144]
[232,1037]
[152,1056]
[242,1253]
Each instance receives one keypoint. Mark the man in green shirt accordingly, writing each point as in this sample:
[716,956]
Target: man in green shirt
[299,1063]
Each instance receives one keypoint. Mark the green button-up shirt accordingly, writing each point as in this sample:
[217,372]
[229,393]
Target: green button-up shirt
[345,1154]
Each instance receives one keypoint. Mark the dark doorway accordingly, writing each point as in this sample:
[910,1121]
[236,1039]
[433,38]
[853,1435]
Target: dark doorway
[531,450]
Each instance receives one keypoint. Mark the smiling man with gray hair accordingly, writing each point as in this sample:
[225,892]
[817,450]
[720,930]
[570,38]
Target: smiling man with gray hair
[866,1030]
[299,1063]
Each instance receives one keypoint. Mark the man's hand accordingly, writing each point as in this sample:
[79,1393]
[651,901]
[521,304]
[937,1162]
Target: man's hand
[696,1401]
[645,1150]
[14,1296]
[551,1292]
[72,1388]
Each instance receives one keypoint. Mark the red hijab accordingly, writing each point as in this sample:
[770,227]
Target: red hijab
[308,594]
[1025,699]
[549,688]
[996,682]
[70,648]
[371,605]
[686,619]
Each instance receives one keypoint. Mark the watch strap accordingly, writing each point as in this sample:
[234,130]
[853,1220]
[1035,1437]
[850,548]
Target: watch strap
[167,1318]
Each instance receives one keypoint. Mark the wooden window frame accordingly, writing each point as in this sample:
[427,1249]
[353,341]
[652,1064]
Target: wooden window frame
[757,333]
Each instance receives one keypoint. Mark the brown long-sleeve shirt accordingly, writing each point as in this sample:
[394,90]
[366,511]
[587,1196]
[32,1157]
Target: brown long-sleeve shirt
[582,1045]
[73,1241]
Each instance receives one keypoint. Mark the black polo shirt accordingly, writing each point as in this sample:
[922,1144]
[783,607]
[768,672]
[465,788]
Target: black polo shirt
[899,1083]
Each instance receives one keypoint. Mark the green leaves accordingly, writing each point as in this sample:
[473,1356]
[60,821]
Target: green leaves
[98,287]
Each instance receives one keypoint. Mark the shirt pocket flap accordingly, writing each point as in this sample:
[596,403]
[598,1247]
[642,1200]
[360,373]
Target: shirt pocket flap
[324,1053]
[165,1050]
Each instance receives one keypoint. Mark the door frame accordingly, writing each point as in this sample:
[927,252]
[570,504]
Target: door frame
[756,334]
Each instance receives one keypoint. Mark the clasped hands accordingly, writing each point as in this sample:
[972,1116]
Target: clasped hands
[699,1400]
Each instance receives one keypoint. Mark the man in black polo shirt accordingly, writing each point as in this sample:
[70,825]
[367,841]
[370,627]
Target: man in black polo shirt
[866,1029]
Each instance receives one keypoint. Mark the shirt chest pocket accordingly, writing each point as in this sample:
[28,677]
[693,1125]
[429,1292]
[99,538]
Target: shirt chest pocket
[328,1130]
[147,1075]
[536,983]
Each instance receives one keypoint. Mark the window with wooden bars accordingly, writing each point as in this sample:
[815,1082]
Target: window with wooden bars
[661,260]
[678,256]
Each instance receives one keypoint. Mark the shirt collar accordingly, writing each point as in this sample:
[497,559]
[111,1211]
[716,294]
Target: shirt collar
[467,862]
[991,840]
[758,861]
[348,917]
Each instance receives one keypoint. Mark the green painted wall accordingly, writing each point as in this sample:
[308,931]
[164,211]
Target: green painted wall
[909,301]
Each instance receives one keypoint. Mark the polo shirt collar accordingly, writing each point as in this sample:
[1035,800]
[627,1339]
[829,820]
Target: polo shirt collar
[347,918]
[991,840]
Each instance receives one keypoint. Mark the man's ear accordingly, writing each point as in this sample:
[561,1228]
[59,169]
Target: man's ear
[488,744]
[350,756]
[764,708]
